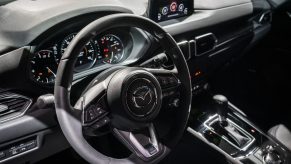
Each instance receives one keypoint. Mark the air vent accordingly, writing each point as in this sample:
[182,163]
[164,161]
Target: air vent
[205,43]
[10,103]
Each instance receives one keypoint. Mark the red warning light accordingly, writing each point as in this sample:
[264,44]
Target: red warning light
[106,50]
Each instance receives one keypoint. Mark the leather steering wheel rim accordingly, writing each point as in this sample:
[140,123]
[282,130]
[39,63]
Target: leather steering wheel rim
[69,120]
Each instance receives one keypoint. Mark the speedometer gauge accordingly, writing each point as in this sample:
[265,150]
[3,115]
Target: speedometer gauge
[87,56]
[112,48]
[44,67]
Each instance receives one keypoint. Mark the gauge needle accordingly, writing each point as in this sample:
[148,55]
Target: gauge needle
[112,56]
[49,70]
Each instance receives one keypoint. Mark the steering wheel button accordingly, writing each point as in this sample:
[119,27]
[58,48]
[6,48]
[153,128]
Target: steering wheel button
[173,81]
[99,111]
[101,123]
[164,81]
[90,114]
[171,93]
[165,94]
[151,149]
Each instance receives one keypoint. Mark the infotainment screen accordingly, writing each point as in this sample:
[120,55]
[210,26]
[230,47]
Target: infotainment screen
[162,10]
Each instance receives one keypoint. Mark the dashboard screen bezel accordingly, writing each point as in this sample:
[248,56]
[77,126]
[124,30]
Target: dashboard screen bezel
[155,5]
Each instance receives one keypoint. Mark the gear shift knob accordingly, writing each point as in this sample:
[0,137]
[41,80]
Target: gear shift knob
[222,108]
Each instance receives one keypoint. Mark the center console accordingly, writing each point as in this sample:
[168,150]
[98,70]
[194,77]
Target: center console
[227,129]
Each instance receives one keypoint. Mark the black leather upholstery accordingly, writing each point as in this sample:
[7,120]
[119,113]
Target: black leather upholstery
[282,134]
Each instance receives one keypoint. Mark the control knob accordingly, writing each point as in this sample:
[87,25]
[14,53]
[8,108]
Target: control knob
[271,156]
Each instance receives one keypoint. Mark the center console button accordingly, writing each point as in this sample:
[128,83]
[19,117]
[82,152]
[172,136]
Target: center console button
[271,156]
[2,154]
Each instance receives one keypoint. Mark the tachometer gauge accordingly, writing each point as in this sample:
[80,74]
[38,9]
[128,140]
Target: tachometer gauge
[44,67]
[112,49]
[87,56]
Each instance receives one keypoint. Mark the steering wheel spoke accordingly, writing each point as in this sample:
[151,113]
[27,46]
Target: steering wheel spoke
[144,144]
[94,108]
[95,112]
[95,116]
[168,80]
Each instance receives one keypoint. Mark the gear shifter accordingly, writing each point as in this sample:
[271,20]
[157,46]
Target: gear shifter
[224,127]
[222,108]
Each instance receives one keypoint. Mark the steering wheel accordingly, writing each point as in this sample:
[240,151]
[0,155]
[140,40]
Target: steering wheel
[127,99]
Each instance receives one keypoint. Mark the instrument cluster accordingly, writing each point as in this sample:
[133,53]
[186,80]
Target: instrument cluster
[107,49]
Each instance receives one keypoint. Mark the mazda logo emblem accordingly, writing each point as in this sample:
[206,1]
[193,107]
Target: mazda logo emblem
[142,96]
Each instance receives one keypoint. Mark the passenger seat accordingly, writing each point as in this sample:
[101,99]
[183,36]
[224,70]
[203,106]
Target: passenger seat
[282,134]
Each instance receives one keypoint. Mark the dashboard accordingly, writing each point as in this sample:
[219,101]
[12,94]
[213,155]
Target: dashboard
[112,47]
[42,30]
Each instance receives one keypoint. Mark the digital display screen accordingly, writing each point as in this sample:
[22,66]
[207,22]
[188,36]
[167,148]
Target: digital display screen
[162,10]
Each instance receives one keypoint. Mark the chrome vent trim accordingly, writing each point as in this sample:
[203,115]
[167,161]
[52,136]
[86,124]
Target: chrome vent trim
[12,102]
